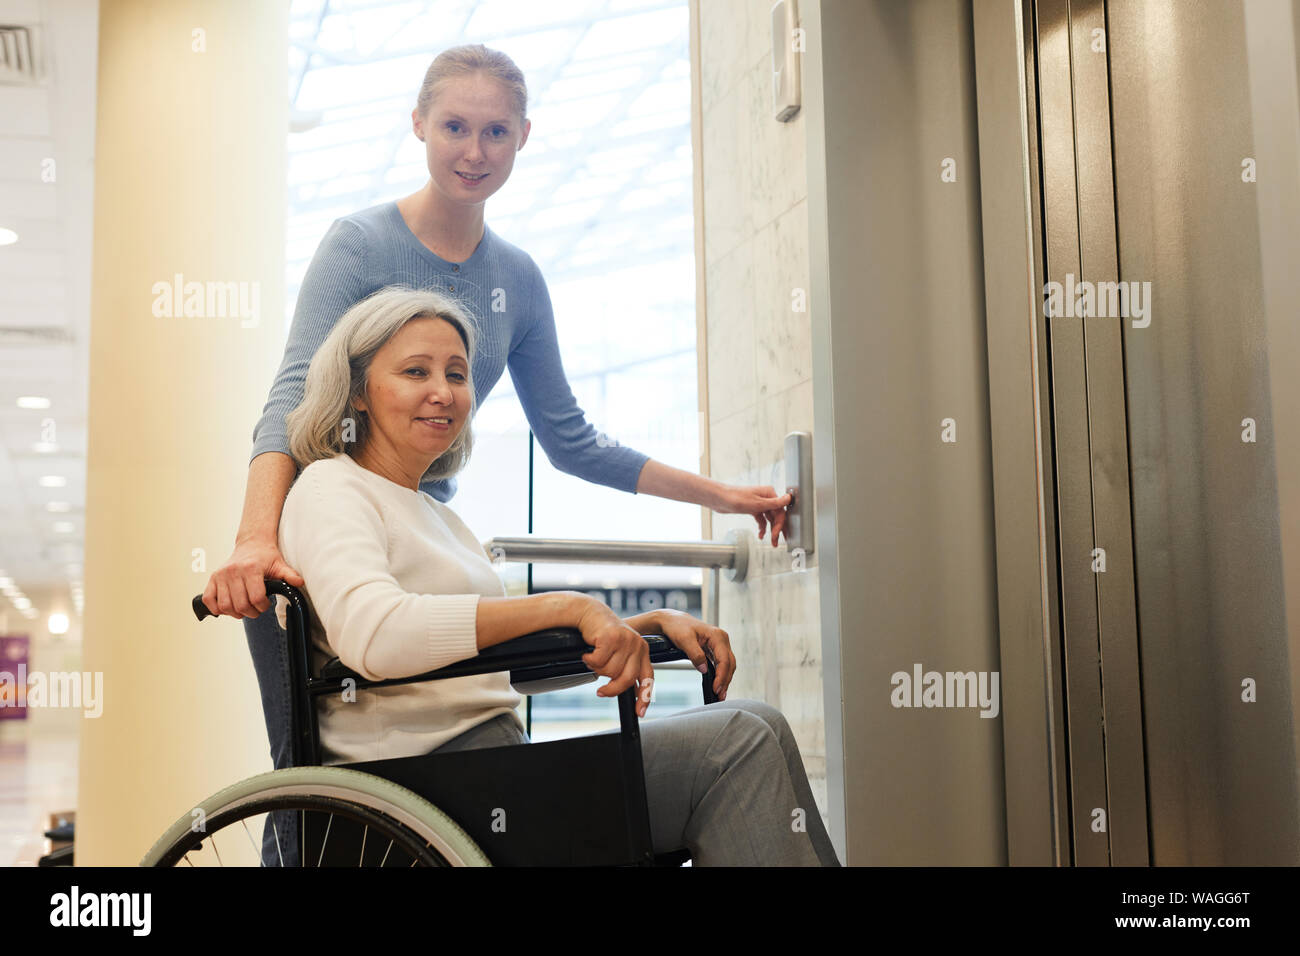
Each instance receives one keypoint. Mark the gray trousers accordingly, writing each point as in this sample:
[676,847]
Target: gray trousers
[725,780]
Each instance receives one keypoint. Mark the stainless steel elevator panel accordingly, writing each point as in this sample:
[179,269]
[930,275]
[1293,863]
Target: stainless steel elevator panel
[1221,770]
[1070,415]
[904,517]
[1110,145]
[1099,619]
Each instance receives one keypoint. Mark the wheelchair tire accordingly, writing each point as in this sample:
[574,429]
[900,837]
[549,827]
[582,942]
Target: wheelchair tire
[423,832]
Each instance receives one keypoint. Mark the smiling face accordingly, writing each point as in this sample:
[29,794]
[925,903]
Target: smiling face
[471,133]
[420,374]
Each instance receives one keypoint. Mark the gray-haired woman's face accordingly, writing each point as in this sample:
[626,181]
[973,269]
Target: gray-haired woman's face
[417,394]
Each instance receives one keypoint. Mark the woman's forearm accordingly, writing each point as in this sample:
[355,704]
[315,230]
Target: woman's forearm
[664,481]
[269,476]
[645,623]
[502,619]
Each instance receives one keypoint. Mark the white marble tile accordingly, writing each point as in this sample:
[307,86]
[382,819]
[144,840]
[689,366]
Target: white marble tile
[797,618]
[729,292]
[759,353]
[727,175]
[758,33]
[779,414]
[782,335]
[731,460]
[729,38]
[778,170]
[799,409]
[764,600]
[714,73]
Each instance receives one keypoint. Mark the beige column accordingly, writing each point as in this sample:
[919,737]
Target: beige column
[189,192]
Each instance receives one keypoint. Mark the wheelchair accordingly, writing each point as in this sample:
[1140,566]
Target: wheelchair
[579,801]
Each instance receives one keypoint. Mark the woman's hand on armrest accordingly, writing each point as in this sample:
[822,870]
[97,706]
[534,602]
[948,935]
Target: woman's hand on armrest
[620,653]
[695,638]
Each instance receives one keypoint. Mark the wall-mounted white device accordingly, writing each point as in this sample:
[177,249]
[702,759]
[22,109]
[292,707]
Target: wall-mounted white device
[787,47]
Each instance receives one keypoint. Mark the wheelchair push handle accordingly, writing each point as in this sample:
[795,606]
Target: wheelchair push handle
[273,586]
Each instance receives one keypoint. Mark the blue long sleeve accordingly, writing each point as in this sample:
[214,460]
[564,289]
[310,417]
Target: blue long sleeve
[500,285]
[571,443]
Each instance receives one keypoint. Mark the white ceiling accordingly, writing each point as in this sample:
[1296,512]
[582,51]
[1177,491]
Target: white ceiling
[47,131]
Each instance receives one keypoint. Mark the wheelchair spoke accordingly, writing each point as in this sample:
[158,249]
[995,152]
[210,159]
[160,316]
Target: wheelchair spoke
[386,852]
[276,830]
[365,833]
[213,840]
[324,841]
[251,841]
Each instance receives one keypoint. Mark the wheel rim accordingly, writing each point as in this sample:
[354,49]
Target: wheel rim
[374,807]
[384,841]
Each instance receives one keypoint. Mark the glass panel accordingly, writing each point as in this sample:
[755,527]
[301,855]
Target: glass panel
[624,301]
[640,390]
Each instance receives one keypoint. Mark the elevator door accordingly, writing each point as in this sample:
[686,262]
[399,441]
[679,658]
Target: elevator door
[1176,684]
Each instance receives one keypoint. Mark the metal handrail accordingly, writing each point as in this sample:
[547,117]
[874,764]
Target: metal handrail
[732,556]
[683,554]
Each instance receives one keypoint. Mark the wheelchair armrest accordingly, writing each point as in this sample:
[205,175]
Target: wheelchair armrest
[542,655]
[539,648]
[548,655]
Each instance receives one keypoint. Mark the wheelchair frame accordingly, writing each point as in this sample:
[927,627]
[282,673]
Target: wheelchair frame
[588,802]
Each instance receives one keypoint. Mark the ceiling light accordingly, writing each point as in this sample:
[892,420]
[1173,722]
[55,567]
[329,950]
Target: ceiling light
[33,401]
[7,237]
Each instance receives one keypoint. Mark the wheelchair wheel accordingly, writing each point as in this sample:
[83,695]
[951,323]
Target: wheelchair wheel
[394,826]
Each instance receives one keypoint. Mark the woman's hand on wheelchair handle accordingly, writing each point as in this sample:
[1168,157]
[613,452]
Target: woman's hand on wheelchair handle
[621,654]
[238,588]
[694,637]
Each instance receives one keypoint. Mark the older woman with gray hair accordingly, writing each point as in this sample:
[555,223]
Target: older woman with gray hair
[398,586]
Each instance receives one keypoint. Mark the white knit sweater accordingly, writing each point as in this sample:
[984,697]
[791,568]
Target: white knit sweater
[393,579]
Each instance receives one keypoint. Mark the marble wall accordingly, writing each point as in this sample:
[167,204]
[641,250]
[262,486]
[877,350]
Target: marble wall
[759,353]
